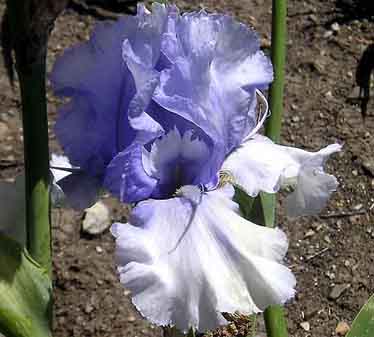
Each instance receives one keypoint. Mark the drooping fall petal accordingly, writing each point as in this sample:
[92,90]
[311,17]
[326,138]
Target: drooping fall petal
[189,258]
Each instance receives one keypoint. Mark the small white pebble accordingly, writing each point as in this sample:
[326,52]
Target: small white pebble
[335,27]
[305,325]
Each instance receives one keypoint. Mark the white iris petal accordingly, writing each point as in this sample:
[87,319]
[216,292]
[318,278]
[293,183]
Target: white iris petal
[185,263]
[260,165]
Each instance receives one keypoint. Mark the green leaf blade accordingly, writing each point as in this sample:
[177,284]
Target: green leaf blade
[363,325]
[25,293]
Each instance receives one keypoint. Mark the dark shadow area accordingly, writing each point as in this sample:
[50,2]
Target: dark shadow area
[7,46]
[349,10]
[103,9]
[363,73]
[364,69]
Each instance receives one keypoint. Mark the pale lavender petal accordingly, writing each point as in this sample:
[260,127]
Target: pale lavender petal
[144,42]
[165,256]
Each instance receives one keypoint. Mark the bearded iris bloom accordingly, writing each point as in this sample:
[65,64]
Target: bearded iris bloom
[161,107]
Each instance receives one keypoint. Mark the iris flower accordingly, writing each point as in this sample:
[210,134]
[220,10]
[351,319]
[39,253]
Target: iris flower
[162,113]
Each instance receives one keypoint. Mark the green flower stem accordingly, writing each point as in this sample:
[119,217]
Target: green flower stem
[35,132]
[278,58]
[31,69]
[276,325]
[275,322]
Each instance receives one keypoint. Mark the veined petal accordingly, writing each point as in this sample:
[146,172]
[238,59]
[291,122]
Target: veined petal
[260,165]
[187,260]
[145,40]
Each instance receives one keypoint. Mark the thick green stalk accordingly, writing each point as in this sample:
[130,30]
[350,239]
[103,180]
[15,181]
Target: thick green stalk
[30,56]
[276,325]
[35,133]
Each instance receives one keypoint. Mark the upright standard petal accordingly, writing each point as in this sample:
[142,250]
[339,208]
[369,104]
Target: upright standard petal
[216,68]
[110,80]
[96,78]
[260,165]
[188,259]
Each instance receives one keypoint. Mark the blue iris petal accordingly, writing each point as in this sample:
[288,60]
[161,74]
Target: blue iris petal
[95,76]
[217,65]
[110,80]
[126,177]
[143,79]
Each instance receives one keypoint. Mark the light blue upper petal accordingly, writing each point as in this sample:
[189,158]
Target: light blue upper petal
[216,67]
